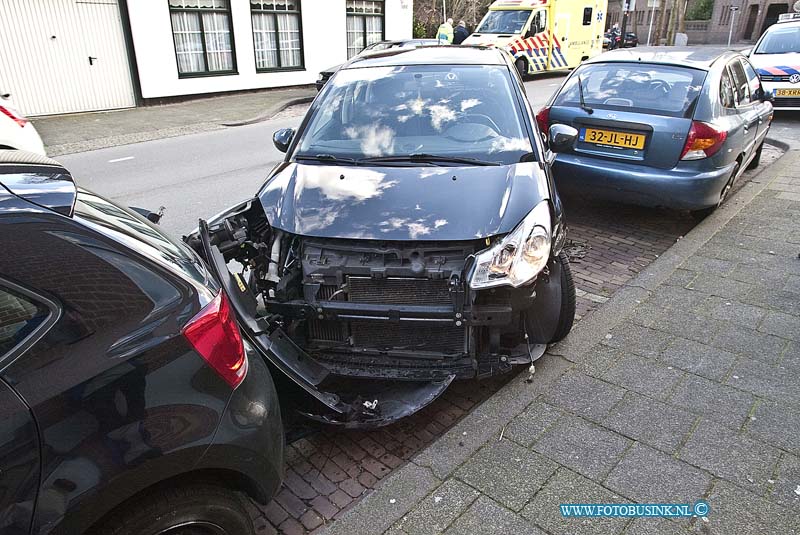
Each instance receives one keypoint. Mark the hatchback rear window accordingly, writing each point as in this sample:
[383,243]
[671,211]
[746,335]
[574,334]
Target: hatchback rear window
[638,87]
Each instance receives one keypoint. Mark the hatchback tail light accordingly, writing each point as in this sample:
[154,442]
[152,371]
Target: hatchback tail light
[14,116]
[214,334]
[543,120]
[703,141]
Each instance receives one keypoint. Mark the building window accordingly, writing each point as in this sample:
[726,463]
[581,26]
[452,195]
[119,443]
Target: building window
[203,37]
[364,24]
[277,34]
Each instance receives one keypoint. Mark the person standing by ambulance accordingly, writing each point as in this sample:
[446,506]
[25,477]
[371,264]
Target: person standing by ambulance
[445,32]
[461,33]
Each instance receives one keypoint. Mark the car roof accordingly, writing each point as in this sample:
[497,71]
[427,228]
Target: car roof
[430,55]
[38,179]
[698,58]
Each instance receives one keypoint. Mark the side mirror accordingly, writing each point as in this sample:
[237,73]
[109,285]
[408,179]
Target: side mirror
[561,137]
[767,96]
[283,138]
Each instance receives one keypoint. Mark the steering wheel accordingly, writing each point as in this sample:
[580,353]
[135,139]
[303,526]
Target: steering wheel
[660,85]
[482,119]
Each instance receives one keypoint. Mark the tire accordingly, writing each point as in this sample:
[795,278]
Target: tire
[198,509]
[566,316]
[757,158]
[705,212]
[522,67]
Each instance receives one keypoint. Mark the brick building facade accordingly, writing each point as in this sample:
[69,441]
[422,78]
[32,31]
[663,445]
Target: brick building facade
[750,21]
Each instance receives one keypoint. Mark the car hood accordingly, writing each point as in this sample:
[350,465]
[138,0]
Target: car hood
[401,203]
[776,64]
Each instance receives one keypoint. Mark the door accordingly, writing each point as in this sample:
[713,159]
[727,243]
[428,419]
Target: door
[19,441]
[763,109]
[560,38]
[747,110]
[752,15]
[64,56]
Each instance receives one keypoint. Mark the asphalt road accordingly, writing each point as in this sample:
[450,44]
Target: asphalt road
[199,175]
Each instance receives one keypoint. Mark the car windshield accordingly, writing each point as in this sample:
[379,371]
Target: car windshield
[638,87]
[454,111]
[505,21]
[780,41]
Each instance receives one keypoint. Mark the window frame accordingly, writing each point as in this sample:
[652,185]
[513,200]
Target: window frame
[8,358]
[364,16]
[587,20]
[199,11]
[275,13]
[738,84]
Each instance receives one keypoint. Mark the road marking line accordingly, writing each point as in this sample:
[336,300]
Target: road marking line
[115,160]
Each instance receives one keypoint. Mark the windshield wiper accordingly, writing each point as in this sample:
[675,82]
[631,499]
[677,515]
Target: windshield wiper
[325,158]
[428,158]
[584,107]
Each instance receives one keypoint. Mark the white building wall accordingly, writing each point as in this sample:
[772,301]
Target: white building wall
[324,45]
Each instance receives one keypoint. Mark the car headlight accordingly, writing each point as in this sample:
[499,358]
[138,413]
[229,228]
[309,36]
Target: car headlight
[519,257]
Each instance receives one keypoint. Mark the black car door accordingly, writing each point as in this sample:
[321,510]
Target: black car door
[20,319]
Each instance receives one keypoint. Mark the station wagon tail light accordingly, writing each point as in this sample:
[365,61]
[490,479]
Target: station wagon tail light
[703,141]
[543,120]
[14,116]
[215,336]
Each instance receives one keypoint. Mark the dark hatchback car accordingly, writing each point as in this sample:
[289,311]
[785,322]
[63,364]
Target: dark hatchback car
[670,127]
[325,75]
[412,236]
[129,403]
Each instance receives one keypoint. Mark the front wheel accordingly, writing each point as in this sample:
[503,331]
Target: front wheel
[566,316]
[191,510]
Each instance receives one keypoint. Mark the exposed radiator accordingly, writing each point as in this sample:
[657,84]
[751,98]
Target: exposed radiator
[399,291]
[385,335]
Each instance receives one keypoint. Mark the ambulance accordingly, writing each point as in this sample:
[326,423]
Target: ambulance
[544,35]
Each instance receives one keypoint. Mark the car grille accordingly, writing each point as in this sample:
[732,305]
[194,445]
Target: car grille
[385,335]
[786,102]
[774,77]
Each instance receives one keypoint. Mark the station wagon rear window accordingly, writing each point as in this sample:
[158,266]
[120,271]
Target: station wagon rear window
[638,87]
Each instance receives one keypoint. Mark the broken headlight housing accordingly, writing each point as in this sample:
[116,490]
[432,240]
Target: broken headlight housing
[518,258]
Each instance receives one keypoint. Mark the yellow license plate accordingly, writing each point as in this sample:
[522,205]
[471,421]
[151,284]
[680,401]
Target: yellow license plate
[613,138]
[787,92]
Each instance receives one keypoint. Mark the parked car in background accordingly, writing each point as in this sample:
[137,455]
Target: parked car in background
[660,127]
[776,57]
[129,401]
[612,40]
[372,287]
[16,131]
[377,47]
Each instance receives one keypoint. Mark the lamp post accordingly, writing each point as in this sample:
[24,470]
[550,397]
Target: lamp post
[733,9]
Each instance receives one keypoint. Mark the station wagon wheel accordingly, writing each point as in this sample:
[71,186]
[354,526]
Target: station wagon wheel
[196,509]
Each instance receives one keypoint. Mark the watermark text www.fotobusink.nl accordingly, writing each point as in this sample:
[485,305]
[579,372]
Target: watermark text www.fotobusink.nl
[599,510]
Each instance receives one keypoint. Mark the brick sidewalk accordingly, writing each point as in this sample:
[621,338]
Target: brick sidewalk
[684,386]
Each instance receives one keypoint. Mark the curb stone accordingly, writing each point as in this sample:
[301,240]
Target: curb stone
[452,449]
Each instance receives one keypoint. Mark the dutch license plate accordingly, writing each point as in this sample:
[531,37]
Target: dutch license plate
[613,138]
[787,92]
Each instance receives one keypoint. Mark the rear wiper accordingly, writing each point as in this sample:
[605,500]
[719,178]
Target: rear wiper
[325,158]
[584,107]
[428,158]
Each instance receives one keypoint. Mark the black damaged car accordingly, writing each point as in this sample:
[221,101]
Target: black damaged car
[412,236]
